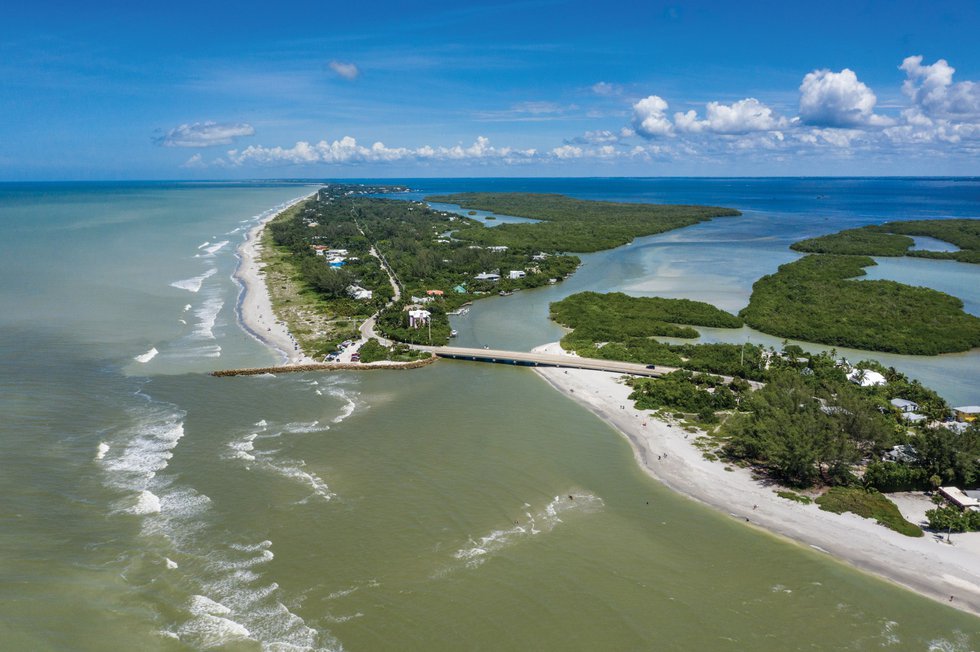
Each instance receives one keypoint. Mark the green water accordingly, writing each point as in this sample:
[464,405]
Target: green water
[151,506]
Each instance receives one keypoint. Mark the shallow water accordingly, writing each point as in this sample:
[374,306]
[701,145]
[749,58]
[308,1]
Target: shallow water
[150,506]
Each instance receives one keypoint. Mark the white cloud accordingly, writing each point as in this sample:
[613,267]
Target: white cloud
[742,117]
[346,70]
[194,162]
[567,151]
[347,150]
[606,89]
[205,134]
[650,117]
[934,94]
[838,99]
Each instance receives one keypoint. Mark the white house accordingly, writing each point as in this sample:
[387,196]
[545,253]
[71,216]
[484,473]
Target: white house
[516,273]
[902,405]
[540,256]
[487,276]
[418,317]
[357,292]
[499,249]
[866,378]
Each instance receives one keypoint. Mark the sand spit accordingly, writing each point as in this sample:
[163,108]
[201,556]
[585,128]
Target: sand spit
[667,452]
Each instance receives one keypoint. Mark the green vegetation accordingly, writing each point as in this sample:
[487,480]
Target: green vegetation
[795,497]
[950,518]
[701,394]
[616,317]
[813,299]
[892,239]
[374,351]
[868,504]
[568,224]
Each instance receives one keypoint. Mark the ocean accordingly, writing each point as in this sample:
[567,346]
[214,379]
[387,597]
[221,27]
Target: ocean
[148,505]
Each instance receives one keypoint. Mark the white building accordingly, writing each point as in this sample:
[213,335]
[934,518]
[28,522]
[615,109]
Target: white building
[499,249]
[516,273]
[418,317]
[866,378]
[487,276]
[357,292]
[902,405]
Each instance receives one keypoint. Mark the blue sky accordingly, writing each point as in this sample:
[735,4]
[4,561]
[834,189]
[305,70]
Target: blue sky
[397,89]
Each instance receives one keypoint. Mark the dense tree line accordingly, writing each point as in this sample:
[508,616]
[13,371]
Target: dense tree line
[568,224]
[892,239]
[814,299]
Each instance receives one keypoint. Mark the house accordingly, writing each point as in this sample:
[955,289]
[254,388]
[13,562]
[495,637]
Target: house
[498,249]
[418,317]
[956,496]
[320,250]
[336,253]
[416,299]
[357,292]
[460,289]
[867,378]
[902,405]
[434,293]
[487,276]
[903,453]
[540,256]
[516,273]
[967,413]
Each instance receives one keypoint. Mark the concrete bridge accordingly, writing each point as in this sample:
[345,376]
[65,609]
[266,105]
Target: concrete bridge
[525,359]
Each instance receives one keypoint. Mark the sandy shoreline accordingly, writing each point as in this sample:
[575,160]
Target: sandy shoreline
[254,304]
[925,565]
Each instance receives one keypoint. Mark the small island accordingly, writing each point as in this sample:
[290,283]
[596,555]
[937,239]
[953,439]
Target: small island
[893,239]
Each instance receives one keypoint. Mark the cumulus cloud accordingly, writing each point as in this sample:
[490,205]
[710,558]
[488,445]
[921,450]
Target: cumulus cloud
[567,151]
[933,92]
[742,117]
[346,70]
[196,161]
[650,117]
[347,150]
[205,134]
[838,99]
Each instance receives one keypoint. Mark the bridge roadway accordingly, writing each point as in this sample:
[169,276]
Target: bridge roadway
[543,360]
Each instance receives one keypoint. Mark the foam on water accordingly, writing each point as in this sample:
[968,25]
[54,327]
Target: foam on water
[243,447]
[146,503]
[171,564]
[146,449]
[207,315]
[215,248]
[204,244]
[544,520]
[102,450]
[349,407]
[146,357]
[194,284]
[187,307]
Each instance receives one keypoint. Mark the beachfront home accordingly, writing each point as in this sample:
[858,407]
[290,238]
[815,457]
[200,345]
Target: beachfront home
[416,299]
[866,378]
[967,413]
[516,273]
[487,276]
[956,496]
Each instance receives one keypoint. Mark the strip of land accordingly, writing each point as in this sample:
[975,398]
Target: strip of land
[255,304]
[667,452]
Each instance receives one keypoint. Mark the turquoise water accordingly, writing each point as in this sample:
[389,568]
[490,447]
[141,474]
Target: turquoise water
[148,505]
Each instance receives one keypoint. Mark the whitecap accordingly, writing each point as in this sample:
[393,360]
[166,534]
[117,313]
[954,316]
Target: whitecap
[534,523]
[103,449]
[348,408]
[187,307]
[147,452]
[207,631]
[215,248]
[146,357]
[146,503]
[204,244]
[171,564]
[194,284]
[207,315]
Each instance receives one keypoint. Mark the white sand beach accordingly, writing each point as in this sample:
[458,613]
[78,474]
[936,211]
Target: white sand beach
[927,565]
[255,306]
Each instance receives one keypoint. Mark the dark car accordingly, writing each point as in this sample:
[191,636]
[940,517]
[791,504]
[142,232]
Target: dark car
[651,366]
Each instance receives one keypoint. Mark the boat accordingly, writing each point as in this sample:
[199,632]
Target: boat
[453,333]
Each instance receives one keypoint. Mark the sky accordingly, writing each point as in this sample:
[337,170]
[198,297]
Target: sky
[129,90]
